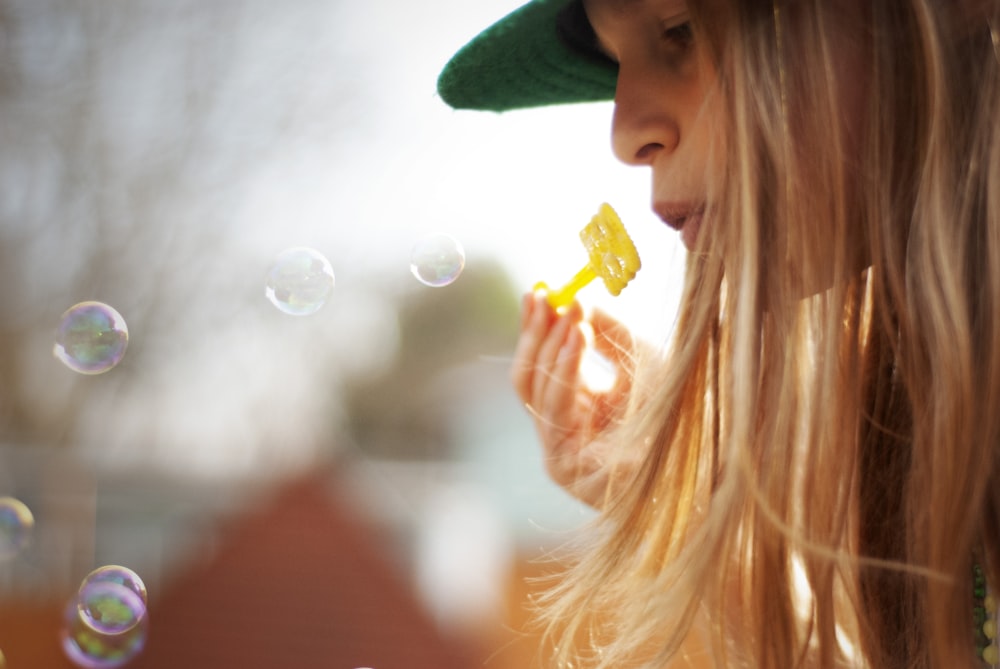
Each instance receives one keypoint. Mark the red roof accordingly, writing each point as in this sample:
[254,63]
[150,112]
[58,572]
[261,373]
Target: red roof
[299,584]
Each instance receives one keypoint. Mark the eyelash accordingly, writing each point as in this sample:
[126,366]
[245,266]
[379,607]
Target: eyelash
[679,36]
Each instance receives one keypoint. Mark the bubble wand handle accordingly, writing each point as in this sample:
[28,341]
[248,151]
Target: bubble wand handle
[564,296]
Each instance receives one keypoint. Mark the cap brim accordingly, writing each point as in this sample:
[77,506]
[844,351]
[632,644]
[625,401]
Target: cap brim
[521,61]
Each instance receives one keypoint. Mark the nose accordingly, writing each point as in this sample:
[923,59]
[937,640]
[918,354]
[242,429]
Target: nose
[642,126]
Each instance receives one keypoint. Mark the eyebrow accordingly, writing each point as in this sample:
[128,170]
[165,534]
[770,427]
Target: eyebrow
[616,8]
[622,5]
[577,32]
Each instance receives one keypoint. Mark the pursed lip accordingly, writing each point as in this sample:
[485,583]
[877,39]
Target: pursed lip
[681,215]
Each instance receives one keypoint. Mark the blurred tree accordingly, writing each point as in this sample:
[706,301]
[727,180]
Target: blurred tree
[405,412]
[133,135]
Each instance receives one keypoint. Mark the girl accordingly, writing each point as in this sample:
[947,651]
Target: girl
[809,475]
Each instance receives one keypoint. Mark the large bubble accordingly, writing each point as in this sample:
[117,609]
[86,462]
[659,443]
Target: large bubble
[437,260]
[16,527]
[91,338]
[299,281]
[106,624]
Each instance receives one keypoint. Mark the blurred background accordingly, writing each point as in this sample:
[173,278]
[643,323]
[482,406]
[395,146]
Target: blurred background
[354,488]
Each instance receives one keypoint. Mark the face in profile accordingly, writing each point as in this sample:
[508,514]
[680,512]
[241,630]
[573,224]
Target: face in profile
[669,110]
[664,114]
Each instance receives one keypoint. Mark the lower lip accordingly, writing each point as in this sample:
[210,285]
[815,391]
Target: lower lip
[689,233]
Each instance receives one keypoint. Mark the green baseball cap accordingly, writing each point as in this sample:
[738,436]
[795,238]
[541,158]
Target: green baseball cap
[544,53]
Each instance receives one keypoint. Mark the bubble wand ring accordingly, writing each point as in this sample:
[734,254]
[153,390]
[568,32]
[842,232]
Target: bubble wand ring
[612,257]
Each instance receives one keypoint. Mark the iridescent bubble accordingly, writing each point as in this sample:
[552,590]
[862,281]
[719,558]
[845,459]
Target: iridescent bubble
[120,575]
[92,648]
[102,604]
[16,526]
[299,281]
[437,260]
[109,608]
[91,338]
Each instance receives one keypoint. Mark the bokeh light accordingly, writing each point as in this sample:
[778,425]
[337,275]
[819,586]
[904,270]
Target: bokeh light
[16,526]
[299,281]
[437,260]
[91,338]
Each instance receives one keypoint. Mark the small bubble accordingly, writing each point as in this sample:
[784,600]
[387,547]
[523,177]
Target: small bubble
[91,338]
[437,260]
[299,281]
[16,526]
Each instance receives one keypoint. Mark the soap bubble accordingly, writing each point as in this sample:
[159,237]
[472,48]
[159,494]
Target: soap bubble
[299,281]
[120,575]
[109,608]
[91,649]
[91,338]
[106,623]
[104,609]
[437,260]
[16,526]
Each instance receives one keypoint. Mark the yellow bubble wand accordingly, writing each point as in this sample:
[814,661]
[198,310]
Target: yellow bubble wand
[612,257]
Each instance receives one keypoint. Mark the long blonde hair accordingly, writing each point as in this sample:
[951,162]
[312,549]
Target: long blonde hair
[822,468]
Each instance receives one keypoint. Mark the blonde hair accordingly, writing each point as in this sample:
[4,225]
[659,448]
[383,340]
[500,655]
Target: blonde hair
[822,464]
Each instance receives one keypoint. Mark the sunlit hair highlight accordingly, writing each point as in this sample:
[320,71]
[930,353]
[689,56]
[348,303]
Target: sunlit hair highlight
[822,472]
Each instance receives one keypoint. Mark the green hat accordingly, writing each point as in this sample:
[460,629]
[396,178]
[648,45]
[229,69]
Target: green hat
[544,53]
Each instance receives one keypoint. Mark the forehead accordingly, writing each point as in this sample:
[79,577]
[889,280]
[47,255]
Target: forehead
[605,14]
[620,6]
[618,19]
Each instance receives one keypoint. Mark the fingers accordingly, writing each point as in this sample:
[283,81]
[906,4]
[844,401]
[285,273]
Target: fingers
[569,417]
[536,319]
[544,358]
[555,369]
[558,395]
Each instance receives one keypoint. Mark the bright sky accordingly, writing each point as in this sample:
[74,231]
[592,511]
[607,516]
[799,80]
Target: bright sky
[311,123]
[391,163]
[187,143]
[518,186]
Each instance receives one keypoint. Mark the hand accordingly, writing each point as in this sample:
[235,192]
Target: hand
[572,420]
